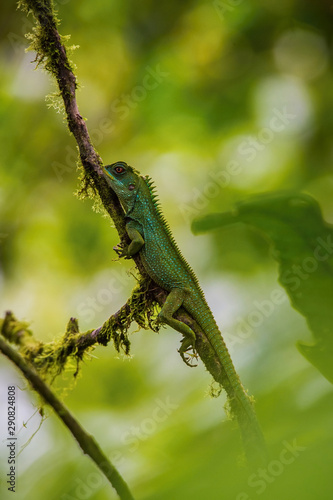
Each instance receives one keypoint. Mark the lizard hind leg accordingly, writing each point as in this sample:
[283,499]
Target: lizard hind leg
[173,302]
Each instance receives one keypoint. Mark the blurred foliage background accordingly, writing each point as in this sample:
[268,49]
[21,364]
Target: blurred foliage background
[217,101]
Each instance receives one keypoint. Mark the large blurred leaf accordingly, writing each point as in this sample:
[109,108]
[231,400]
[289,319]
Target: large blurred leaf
[303,247]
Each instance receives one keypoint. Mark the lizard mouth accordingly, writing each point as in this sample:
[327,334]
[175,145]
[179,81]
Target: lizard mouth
[108,175]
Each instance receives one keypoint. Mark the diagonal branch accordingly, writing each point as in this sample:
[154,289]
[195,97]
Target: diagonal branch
[51,53]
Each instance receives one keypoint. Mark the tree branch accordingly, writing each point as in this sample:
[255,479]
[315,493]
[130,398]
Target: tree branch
[51,53]
[85,440]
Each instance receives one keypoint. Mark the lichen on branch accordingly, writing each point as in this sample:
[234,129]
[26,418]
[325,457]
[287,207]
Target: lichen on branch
[51,53]
[43,37]
[51,358]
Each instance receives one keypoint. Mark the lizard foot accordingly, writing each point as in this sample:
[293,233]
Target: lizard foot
[186,345]
[188,360]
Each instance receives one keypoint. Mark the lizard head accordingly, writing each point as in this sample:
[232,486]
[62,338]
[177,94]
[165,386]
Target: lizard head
[124,181]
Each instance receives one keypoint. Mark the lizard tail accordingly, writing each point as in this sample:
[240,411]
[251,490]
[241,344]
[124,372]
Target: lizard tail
[240,401]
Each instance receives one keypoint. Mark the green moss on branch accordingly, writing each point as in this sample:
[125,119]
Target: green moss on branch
[50,359]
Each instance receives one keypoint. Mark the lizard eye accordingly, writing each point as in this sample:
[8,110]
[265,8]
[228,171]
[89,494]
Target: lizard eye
[119,169]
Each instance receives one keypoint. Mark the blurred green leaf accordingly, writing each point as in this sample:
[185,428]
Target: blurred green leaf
[303,247]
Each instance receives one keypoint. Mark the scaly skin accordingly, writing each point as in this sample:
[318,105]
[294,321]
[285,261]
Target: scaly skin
[164,263]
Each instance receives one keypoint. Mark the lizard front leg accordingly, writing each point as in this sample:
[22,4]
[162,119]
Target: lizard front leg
[136,244]
[173,302]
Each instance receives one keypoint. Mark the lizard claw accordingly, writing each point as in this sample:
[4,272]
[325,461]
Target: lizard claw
[121,251]
[118,249]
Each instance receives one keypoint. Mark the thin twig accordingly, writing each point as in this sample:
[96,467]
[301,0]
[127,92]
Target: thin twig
[85,440]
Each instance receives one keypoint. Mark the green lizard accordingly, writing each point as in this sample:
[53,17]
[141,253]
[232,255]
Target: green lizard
[150,235]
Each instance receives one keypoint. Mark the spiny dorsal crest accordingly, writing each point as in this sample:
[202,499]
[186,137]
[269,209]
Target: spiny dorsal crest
[156,202]
[152,190]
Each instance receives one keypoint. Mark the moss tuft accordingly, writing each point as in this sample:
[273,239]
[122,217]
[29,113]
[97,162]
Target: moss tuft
[141,308]
[215,389]
[44,38]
